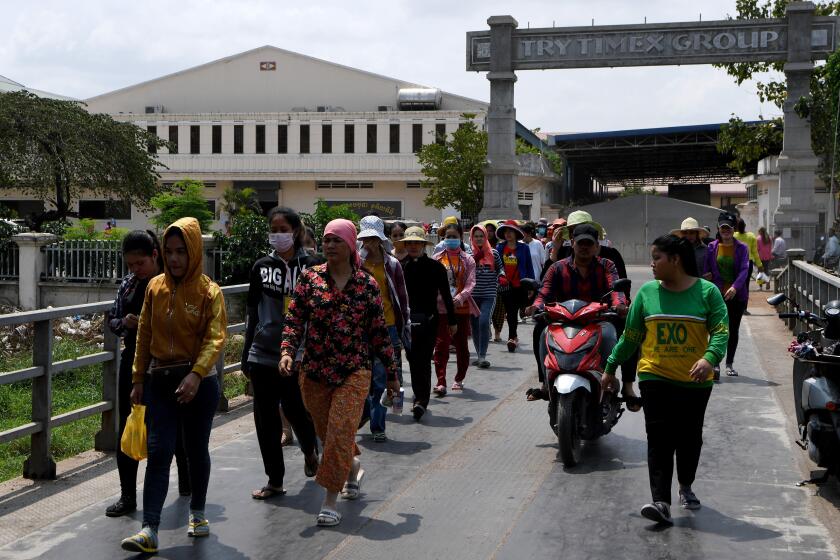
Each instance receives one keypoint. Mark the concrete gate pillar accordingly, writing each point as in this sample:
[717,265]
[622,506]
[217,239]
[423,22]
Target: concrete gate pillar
[500,172]
[796,214]
[30,267]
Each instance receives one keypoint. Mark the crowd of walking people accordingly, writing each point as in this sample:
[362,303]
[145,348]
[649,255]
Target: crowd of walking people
[325,333]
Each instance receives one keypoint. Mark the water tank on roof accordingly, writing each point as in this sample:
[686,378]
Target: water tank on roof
[419,99]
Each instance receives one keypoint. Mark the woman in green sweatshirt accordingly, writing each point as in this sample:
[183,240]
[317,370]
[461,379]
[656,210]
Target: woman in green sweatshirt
[680,322]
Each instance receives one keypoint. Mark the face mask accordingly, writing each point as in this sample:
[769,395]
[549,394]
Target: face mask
[281,242]
[452,244]
[541,231]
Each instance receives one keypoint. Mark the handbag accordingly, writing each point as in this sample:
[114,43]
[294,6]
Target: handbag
[133,440]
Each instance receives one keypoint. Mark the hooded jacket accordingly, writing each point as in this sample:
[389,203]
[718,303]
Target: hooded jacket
[742,269]
[185,320]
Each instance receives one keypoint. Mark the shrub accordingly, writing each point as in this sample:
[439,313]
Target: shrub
[247,242]
[185,200]
[324,214]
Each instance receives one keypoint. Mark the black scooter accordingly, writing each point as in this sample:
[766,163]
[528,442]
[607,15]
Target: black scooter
[816,384]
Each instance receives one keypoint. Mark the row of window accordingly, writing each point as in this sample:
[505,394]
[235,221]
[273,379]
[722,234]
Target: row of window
[371,138]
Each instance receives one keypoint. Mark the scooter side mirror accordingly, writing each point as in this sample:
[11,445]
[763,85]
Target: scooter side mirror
[622,285]
[530,284]
[777,299]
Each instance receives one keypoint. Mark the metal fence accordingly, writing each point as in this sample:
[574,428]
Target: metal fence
[39,464]
[84,261]
[809,285]
[9,262]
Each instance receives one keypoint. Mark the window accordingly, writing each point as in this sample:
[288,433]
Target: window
[304,138]
[173,139]
[394,138]
[104,209]
[211,205]
[371,138]
[440,134]
[343,185]
[260,140]
[195,139]
[238,138]
[326,138]
[349,139]
[152,147]
[282,139]
[416,137]
[413,185]
[217,139]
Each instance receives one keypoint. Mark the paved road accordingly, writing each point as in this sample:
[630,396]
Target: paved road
[479,478]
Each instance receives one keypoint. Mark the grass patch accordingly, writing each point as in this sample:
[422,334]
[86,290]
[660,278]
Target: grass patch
[71,390]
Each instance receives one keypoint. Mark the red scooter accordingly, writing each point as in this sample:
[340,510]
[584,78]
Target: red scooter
[573,352]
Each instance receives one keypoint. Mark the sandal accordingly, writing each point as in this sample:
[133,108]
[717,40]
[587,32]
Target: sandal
[267,492]
[288,438]
[457,386]
[536,394]
[512,344]
[440,391]
[352,490]
[328,518]
[310,465]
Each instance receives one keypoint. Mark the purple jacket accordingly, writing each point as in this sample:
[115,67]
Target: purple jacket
[742,268]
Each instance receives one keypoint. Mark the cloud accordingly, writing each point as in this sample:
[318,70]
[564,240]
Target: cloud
[88,47]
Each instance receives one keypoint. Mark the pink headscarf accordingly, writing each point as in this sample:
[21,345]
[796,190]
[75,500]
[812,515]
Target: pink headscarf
[345,230]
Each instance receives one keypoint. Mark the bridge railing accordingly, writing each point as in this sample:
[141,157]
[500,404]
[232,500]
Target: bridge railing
[40,464]
[809,285]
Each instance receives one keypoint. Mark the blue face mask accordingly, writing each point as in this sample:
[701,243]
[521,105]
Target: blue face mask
[452,244]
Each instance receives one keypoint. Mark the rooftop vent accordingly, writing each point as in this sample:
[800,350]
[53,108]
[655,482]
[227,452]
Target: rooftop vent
[150,109]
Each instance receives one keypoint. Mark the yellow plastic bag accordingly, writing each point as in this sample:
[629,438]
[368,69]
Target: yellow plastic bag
[133,441]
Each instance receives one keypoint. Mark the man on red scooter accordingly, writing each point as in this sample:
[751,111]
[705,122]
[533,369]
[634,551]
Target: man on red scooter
[584,276]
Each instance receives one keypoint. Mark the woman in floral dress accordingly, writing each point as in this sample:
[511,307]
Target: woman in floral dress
[338,307]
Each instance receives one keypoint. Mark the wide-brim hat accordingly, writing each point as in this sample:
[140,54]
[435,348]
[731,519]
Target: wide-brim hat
[373,226]
[485,223]
[690,224]
[509,225]
[579,217]
[414,233]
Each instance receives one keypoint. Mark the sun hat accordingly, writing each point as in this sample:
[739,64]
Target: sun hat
[586,231]
[449,220]
[509,225]
[579,217]
[690,224]
[485,223]
[373,226]
[414,233]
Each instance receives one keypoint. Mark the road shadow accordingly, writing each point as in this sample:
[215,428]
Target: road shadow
[474,396]
[395,447]
[613,452]
[204,548]
[372,529]
[744,380]
[710,520]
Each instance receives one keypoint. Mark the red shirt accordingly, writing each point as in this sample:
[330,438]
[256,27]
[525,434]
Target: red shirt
[511,266]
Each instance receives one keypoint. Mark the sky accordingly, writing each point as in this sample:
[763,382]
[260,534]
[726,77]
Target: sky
[83,48]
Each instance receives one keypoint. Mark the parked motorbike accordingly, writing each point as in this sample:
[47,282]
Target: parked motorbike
[573,354]
[816,384]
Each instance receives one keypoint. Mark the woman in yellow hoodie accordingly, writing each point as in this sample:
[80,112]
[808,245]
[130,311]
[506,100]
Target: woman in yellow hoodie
[181,332]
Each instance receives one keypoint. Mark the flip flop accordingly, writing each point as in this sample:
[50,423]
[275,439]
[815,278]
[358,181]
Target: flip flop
[267,492]
[536,394]
[634,404]
[328,518]
[310,468]
[352,490]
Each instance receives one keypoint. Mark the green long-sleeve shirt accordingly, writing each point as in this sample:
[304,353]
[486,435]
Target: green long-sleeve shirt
[674,330]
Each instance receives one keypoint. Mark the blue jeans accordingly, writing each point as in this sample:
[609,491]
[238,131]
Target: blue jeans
[373,408]
[481,325]
[164,417]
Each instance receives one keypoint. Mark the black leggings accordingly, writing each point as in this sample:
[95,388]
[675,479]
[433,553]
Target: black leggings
[513,299]
[735,308]
[674,423]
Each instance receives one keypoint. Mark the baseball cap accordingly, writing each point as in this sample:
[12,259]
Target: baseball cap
[586,231]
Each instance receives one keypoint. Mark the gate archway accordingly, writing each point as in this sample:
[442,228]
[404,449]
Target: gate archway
[798,40]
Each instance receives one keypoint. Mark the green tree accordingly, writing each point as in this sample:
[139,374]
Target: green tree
[748,143]
[454,170]
[184,200]
[324,214]
[55,150]
[246,242]
[240,201]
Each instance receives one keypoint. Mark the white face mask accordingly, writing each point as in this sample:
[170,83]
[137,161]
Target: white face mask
[281,242]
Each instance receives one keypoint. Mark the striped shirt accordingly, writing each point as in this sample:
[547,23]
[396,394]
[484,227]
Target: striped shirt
[487,280]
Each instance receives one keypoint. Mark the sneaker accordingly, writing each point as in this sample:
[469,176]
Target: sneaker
[688,500]
[484,364]
[476,361]
[731,372]
[440,390]
[123,506]
[512,344]
[380,437]
[658,512]
[418,411]
[146,541]
[747,312]
[198,526]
